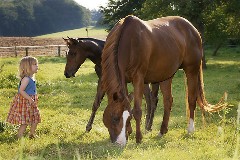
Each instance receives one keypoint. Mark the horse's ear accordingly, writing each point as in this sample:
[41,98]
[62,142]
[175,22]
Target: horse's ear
[66,40]
[72,41]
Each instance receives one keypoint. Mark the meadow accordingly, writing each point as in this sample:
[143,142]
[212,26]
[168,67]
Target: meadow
[65,106]
[95,32]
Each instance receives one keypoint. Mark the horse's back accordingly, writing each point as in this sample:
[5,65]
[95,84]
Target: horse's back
[163,44]
[178,37]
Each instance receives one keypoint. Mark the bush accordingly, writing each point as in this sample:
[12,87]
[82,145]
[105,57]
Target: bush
[8,81]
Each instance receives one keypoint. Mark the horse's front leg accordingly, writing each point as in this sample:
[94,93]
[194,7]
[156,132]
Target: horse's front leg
[98,98]
[166,89]
[138,85]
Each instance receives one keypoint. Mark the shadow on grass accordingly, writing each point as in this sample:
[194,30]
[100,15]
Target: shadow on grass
[8,133]
[74,150]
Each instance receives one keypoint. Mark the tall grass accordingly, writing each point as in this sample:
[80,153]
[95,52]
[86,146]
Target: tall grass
[65,106]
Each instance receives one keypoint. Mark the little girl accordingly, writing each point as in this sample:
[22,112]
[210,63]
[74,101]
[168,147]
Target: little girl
[24,110]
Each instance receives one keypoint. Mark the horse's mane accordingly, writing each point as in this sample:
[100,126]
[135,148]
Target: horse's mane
[111,78]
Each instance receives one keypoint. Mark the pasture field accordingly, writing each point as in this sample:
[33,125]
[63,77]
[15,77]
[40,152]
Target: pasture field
[95,32]
[65,106]
[33,43]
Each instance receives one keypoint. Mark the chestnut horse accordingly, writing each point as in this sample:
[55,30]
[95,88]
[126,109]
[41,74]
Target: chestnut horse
[151,51]
[82,48]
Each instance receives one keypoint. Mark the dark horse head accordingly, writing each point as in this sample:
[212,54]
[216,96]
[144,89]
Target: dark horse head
[79,50]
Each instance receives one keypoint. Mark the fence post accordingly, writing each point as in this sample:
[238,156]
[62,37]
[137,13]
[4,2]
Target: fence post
[26,51]
[15,50]
[59,51]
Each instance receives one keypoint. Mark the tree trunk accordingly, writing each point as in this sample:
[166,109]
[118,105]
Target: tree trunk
[216,49]
[204,65]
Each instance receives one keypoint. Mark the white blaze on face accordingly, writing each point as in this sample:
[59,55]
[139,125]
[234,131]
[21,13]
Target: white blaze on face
[121,139]
[191,126]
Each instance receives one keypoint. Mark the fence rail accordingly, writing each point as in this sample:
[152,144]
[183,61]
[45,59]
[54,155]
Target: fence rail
[50,50]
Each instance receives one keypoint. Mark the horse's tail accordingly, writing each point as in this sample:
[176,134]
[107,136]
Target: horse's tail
[201,100]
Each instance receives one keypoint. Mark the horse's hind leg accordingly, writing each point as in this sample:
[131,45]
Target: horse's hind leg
[153,105]
[96,104]
[166,89]
[192,81]
[147,95]
[138,85]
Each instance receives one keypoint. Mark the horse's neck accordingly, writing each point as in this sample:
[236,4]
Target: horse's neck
[95,53]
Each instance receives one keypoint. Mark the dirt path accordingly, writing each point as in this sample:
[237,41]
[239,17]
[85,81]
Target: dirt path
[8,49]
[29,41]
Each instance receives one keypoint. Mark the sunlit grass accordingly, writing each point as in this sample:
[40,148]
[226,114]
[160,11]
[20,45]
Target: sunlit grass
[100,33]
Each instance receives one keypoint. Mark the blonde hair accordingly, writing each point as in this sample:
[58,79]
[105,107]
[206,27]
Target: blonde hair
[25,66]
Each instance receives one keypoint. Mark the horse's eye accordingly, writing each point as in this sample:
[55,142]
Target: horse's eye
[115,120]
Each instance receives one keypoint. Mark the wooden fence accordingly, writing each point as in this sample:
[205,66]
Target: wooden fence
[48,50]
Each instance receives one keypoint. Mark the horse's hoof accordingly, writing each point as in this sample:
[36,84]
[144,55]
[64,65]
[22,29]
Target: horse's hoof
[148,129]
[190,130]
[160,135]
[139,138]
[191,127]
[88,128]
[138,141]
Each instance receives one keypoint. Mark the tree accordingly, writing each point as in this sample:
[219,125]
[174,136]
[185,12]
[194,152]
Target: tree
[8,16]
[217,20]
[216,28]
[36,17]
[117,9]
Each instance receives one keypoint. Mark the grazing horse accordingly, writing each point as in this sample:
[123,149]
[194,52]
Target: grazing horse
[82,48]
[151,51]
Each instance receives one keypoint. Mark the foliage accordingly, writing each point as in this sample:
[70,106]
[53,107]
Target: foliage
[118,9]
[65,106]
[96,17]
[35,17]
[8,81]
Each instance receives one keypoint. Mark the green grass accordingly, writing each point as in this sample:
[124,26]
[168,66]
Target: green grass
[65,106]
[95,32]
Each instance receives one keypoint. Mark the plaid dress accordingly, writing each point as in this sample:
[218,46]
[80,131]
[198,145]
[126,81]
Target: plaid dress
[21,112]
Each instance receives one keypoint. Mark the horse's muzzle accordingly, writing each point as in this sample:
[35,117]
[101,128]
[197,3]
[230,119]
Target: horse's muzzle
[68,75]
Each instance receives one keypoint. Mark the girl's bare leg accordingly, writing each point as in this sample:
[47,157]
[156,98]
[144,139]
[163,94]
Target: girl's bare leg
[21,130]
[32,130]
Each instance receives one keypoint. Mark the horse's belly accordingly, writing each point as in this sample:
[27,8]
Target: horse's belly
[160,72]
[157,77]
[164,62]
